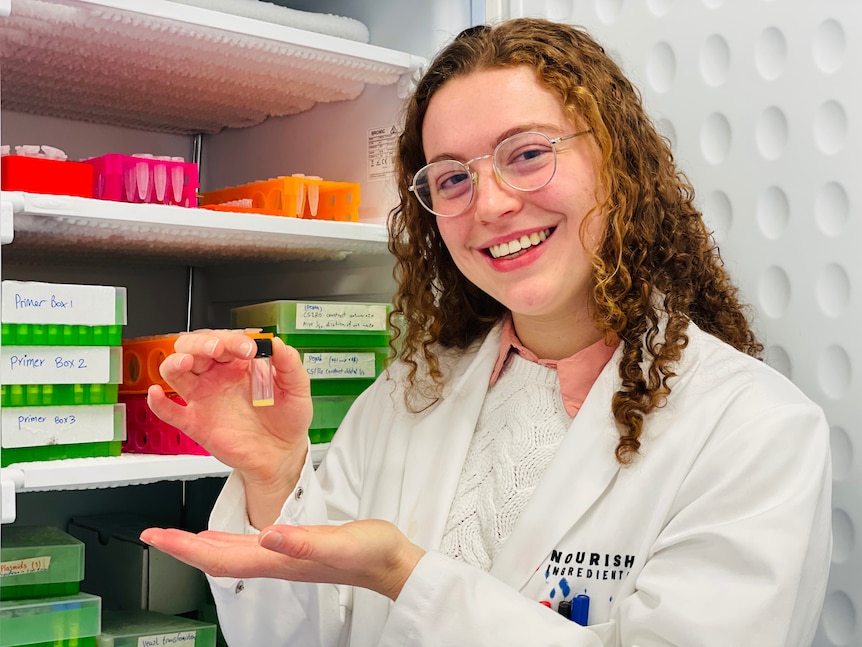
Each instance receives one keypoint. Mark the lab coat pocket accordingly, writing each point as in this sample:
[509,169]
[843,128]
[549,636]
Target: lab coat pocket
[607,633]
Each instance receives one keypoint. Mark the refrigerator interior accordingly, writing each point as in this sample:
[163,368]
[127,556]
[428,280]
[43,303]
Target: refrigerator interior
[169,292]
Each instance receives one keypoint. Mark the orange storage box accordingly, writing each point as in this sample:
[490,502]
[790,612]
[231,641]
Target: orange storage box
[292,196]
[141,359]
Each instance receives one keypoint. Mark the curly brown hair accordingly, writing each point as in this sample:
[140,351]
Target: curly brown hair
[656,268]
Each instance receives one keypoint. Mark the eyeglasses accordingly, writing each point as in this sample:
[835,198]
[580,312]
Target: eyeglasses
[525,162]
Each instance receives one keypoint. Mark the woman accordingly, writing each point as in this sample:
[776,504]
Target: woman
[577,409]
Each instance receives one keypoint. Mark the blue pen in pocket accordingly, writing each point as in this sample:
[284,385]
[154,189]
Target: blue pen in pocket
[580,609]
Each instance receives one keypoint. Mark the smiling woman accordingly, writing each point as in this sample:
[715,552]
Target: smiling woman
[576,443]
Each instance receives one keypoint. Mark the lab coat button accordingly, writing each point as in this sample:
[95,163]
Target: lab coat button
[239,587]
[299,493]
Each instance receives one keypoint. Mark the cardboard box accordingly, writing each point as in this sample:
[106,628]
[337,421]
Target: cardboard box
[130,575]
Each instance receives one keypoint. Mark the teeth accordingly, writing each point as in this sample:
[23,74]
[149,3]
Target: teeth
[504,249]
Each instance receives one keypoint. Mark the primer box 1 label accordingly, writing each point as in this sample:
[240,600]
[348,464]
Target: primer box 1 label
[62,303]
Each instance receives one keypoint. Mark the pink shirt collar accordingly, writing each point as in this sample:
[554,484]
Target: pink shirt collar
[577,373]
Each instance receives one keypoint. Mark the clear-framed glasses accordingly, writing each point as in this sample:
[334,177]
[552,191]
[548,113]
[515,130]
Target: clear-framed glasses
[525,162]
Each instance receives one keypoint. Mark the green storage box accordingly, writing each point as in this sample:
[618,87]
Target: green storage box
[23,395]
[319,324]
[149,628]
[64,621]
[57,452]
[39,562]
[27,334]
[329,411]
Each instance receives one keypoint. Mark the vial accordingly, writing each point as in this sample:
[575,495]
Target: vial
[262,393]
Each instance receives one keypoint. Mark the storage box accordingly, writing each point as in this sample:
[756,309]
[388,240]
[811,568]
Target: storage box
[130,575]
[142,357]
[26,334]
[38,562]
[146,433]
[321,324]
[146,179]
[292,196]
[59,452]
[152,629]
[64,621]
[41,175]
[329,411]
[23,395]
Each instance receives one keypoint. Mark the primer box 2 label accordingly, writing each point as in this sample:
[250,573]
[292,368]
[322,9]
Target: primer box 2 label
[61,364]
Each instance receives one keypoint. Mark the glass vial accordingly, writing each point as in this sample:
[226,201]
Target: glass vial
[262,392]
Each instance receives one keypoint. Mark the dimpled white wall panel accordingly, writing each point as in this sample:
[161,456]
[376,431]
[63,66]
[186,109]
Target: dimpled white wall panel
[762,102]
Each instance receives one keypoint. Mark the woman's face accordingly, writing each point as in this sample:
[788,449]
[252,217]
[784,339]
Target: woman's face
[549,279]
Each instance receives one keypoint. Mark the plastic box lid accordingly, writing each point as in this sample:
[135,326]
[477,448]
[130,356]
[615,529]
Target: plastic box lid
[49,620]
[323,324]
[140,628]
[39,555]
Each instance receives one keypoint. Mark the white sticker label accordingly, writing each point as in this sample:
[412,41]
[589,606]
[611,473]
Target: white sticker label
[62,425]
[341,316]
[57,303]
[180,638]
[25,566]
[60,364]
[382,144]
[339,365]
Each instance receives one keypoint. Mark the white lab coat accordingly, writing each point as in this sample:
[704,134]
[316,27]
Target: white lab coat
[719,534]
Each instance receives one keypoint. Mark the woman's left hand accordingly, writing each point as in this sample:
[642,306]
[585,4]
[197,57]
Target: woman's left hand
[370,553]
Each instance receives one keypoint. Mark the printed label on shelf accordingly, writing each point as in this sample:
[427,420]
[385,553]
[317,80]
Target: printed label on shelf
[339,365]
[382,145]
[179,638]
[356,317]
[83,423]
[61,364]
[61,303]
[25,566]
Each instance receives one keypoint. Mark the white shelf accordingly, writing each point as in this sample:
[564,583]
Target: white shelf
[117,471]
[169,67]
[72,226]
[110,471]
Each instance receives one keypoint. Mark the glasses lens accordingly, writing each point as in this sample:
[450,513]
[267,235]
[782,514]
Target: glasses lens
[526,161]
[444,188]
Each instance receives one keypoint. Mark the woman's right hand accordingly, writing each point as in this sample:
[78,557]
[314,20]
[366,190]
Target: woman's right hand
[210,371]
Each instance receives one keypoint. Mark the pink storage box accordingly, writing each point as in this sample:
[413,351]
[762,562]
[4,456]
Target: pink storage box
[130,178]
[148,434]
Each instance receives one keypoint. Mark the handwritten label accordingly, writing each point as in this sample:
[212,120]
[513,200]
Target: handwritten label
[179,638]
[341,316]
[59,303]
[60,364]
[39,426]
[339,365]
[25,566]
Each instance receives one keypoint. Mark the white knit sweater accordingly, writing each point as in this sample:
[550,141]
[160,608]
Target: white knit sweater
[521,424]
